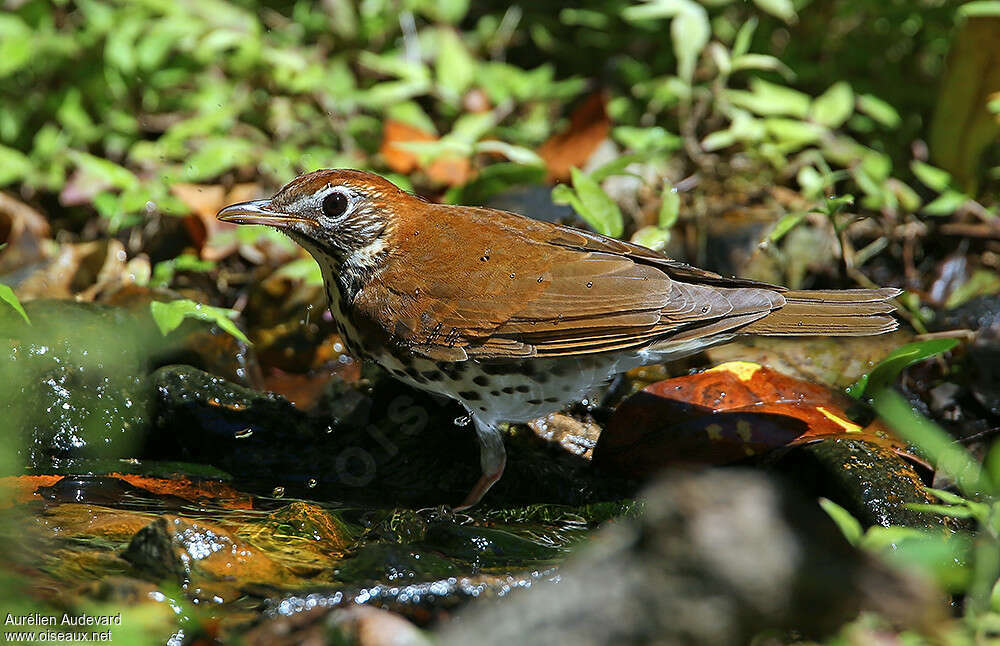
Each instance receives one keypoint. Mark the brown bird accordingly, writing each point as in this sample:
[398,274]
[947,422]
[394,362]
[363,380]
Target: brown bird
[513,317]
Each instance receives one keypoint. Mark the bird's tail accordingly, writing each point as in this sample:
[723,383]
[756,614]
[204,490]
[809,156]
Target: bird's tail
[847,312]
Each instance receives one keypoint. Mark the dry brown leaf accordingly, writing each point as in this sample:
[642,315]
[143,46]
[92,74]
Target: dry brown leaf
[589,125]
[22,229]
[450,170]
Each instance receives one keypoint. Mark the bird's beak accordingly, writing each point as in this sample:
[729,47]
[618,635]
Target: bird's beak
[256,212]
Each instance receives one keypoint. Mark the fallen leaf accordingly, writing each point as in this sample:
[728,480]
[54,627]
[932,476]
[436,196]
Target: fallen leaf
[451,170]
[589,125]
[726,414]
[22,230]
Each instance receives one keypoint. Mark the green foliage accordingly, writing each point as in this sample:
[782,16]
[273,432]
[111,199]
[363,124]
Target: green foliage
[591,203]
[888,369]
[8,296]
[169,316]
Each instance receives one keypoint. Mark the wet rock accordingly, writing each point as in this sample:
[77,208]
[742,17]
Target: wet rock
[715,559]
[484,547]
[90,521]
[305,520]
[981,315]
[185,550]
[97,490]
[358,626]
[872,482]
[371,442]
[72,383]
[393,563]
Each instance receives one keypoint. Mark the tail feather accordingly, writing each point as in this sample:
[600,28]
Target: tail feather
[849,312]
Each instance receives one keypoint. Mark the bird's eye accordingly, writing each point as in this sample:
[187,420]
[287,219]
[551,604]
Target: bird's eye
[334,204]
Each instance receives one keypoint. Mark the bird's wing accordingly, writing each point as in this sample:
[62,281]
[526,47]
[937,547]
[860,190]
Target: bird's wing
[509,286]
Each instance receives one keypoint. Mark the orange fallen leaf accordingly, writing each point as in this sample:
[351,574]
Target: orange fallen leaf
[450,170]
[205,200]
[726,414]
[589,125]
[23,489]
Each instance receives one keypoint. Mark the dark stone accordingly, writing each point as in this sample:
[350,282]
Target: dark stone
[715,559]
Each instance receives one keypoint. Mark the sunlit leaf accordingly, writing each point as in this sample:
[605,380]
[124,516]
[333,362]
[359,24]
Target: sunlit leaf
[16,42]
[950,457]
[783,9]
[833,107]
[946,204]
[786,224]
[879,110]
[652,237]
[769,99]
[888,370]
[689,31]
[169,316]
[8,296]
[983,282]
[455,68]
[671,207]
[598,209]
[848,524]
[14,165]
[931,177]
[106,171]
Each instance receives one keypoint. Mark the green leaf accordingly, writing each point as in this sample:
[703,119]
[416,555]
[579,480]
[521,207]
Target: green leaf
[888,369]
[741,45]
[690,32]
[989,8]
[770,99]
[516,154]
[616,166]
[598,210]
[950,457]
[17,43]
[983,282]
[305,269]
[455,69]
[810,181]
[107,171]
[671,207]
[169,316]
[833,107]
[652,237]
[783,9]
[930,176]
[14,165]
[8,296]
[786,224]
[879,110]
[791,133]
[946,204]
[848,524]
[647,140]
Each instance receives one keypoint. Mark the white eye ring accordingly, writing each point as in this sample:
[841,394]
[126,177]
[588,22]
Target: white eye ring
[335,202]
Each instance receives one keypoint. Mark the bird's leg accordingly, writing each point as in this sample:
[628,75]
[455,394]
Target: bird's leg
[492,458]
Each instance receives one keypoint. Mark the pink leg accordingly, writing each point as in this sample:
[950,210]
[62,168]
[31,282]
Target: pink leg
[492,458]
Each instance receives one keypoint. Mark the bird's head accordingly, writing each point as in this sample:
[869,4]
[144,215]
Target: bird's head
[338,215]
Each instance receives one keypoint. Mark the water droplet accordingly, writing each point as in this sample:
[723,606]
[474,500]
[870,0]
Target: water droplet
[312,482]
[589,285]
[416,291]
[511,274]
[540,278]
[463,420]
[278,492]
[244,434]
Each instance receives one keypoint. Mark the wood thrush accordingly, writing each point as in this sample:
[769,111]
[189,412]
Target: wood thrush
[513,317]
